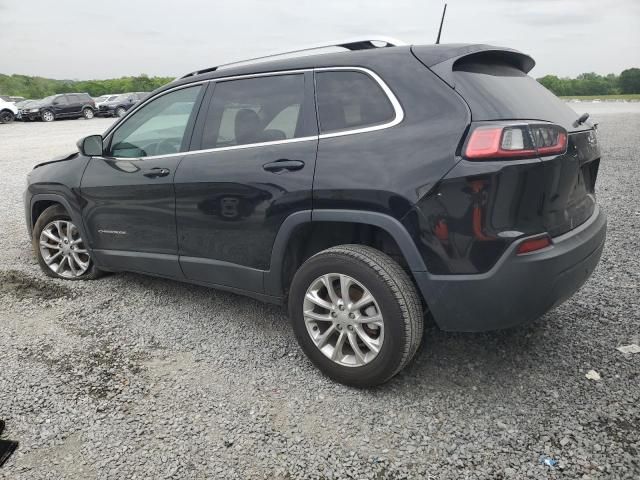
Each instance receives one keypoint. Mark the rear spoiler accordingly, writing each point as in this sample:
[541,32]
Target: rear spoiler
[443,60]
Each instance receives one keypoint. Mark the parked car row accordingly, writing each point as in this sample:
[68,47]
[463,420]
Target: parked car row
[68,105]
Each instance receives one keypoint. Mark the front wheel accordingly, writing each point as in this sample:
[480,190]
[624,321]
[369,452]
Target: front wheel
[87,113]
[48,116]
[60,249]
[7,116]
[356,314]
[120,111]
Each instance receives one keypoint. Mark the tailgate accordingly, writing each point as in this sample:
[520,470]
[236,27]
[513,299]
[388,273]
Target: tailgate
[495,85]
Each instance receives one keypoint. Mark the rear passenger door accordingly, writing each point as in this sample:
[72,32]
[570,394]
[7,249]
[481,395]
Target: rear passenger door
[255,142]
[74,107]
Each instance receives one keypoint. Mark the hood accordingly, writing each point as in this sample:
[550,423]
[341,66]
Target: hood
[60,158]
[37,104]
[113,102]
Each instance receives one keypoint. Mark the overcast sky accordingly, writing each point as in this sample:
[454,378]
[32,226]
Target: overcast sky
[80,39]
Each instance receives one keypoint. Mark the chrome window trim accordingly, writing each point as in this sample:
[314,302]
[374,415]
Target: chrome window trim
[399,112]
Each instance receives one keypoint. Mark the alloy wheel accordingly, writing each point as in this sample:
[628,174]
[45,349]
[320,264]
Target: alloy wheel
[6,117]
[63,250]
[343,320]
[47,116]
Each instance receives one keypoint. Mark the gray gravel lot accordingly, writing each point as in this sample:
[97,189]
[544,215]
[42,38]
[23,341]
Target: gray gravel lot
[137,377]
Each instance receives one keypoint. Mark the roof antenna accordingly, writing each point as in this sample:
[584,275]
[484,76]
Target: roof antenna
[441,22]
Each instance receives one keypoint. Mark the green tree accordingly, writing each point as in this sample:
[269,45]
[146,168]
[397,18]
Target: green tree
[38,87]
[629,80]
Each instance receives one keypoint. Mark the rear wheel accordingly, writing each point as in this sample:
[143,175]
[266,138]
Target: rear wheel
[87,113]
[6,116]
[356,314]
[48,116]
[120,111]
[60,249]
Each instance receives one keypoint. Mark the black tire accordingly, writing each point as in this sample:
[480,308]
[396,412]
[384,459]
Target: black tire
[119,112]
[87,113]
[47,116]
[397,298]
[7,116]
[57,212]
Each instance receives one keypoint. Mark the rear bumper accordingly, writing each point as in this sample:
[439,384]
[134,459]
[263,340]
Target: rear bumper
[519,288]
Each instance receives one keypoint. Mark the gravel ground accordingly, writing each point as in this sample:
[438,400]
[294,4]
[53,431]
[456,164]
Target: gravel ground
[136,377]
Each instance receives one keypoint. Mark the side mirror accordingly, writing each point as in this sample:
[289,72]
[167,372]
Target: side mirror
[91,146]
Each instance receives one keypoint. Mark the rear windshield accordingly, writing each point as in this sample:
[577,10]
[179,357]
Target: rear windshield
[499,91]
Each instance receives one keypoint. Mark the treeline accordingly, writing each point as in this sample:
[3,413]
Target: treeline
[593,84]
[39,87]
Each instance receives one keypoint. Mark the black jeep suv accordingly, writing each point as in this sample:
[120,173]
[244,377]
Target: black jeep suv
[118,106]
[361,189]
[64,105]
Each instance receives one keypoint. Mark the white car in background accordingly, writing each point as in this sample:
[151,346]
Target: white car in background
[105,98]
[8,111]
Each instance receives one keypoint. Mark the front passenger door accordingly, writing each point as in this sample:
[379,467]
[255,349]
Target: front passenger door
[129,210]
[60,106]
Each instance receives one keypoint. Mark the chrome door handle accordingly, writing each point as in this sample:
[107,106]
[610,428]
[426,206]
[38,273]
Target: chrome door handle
[156,172]
[283,165]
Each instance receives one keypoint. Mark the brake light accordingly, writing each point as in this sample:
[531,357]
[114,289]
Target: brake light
[549,139]
[515,141]
[533,244]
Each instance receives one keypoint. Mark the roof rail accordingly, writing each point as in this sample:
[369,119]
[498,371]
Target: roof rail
[352,44]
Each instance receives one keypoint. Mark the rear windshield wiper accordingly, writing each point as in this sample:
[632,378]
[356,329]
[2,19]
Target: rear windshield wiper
[583,118]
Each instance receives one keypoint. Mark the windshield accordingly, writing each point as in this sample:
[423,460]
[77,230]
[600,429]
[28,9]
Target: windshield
[48,99]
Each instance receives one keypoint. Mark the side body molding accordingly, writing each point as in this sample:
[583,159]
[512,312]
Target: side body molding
[273,278]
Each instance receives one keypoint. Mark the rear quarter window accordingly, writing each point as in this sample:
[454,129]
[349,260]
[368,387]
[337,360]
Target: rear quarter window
[350,100]
[497,90]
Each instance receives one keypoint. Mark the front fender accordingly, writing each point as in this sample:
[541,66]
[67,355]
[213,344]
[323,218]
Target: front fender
[73,211]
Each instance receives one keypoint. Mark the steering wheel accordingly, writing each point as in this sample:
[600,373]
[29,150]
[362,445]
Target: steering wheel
[164,147]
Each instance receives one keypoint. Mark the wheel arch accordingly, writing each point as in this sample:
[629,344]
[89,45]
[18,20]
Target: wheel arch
[13,114]
[275,282]
[40,202]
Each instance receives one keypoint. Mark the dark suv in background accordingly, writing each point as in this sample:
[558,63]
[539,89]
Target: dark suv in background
[64,105]
[360,189]
[118,106]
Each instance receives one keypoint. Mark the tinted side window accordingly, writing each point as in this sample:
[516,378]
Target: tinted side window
[158,127]
[349,100]
[61,100]
[255,110]
[73,98]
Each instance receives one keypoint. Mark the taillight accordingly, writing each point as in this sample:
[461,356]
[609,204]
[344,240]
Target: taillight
[533,245]
[549,139]
[515,141]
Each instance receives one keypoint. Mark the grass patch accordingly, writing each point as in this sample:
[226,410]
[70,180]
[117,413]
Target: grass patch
[627,96]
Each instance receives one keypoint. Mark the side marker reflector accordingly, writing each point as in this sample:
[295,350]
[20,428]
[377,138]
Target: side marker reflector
[534,244]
